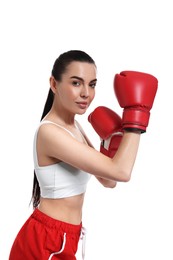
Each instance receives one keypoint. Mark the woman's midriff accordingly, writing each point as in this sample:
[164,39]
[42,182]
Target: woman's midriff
[67,209]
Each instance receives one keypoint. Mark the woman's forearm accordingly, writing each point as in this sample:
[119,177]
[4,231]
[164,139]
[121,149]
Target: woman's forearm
[125,156]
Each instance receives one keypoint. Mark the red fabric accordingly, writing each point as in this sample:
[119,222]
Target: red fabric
[42,235]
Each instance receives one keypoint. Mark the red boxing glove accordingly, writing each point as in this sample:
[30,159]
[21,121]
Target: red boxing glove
[135,92]
[108,125]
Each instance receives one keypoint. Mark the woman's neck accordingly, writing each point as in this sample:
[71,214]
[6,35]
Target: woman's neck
[61,117]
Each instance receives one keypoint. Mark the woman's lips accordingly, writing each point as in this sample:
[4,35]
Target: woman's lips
[82,104]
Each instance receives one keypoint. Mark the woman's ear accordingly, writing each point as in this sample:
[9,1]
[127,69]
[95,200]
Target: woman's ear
[53,84]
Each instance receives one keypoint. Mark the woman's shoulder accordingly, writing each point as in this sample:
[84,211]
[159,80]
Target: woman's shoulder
[50,127]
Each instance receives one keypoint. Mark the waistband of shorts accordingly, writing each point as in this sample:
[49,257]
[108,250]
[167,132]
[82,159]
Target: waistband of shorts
[56,224]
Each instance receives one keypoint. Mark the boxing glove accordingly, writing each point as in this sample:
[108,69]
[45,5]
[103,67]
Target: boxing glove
[108,126]
[135,92]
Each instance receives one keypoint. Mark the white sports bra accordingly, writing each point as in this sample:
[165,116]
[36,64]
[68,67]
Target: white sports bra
[59,180]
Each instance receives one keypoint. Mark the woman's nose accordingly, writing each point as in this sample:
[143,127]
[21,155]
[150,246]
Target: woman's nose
[85,91]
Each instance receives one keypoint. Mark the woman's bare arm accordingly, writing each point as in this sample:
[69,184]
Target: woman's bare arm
[56,143]
[105,182]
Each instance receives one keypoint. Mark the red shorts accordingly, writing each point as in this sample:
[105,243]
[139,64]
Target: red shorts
[44,238]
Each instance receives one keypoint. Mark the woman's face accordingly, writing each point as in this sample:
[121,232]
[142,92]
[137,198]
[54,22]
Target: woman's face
[76,89]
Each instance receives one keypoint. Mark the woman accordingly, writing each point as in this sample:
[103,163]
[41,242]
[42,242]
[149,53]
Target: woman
[64,160]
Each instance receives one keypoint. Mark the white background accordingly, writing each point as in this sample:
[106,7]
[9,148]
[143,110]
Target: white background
[135,220]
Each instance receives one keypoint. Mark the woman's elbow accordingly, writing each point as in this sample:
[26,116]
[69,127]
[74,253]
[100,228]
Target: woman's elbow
[122,176]
[125,176]
[111,184]
[108,183]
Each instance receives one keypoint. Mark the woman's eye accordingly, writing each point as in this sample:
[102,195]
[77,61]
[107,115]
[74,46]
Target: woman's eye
[92,85]
[76,83]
